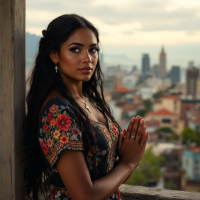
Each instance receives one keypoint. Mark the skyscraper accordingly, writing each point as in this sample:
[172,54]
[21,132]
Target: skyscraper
[145,64]
[174,74]
[192,77]
[162,64]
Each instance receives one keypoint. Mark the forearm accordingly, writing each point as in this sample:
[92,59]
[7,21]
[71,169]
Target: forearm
[117,162]
[107,185]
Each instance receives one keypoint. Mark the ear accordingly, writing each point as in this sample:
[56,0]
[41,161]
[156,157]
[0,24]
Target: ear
[54,56]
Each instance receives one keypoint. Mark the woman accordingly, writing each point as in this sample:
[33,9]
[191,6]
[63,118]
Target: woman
[71,139]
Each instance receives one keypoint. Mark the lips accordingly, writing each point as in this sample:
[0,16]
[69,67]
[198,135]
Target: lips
[86,68]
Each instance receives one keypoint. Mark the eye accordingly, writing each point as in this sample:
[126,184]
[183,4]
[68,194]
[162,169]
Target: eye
[93,50]
[75,49]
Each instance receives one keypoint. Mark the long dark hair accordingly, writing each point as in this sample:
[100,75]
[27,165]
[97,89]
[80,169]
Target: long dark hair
[42,81]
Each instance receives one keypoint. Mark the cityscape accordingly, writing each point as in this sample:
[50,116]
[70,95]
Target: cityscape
[171,111]
[169,102]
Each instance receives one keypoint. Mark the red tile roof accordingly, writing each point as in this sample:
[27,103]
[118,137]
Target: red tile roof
[162,112]
[128,107]
[195,149]
[123,89]
[171,97]
[196,120]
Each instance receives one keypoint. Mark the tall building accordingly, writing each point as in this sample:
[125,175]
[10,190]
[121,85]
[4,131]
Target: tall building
[174,74]
[155,70]
[162,64]
[145,64]
[118,77]
[192,78]
[190,64]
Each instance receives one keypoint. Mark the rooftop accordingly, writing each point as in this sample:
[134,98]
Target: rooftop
[162,112]
[196,120]
[171,97]
[194,149]
[123,90]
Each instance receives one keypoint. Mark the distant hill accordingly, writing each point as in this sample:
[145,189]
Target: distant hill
[32,42]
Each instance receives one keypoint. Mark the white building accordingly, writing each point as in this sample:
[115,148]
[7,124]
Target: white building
[116,111]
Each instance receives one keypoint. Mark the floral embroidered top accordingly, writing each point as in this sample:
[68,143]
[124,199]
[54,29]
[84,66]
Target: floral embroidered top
[60,129]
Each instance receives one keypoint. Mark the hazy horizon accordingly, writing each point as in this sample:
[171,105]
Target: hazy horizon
[131,27]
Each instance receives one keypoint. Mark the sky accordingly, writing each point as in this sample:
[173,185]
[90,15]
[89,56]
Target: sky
[129,28]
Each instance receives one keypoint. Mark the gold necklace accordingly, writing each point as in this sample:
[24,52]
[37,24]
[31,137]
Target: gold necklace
[86,106]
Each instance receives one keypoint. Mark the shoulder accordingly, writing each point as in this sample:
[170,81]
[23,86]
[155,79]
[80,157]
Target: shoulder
[57,105]
[59,129]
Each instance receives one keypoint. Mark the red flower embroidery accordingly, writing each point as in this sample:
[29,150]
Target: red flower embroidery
[53,108]
[51,196]
[63,122]
[114,129]
[45,127]
[44,147]
[49,117]
[64,139]
[75,131]
[49,142]
[52,122]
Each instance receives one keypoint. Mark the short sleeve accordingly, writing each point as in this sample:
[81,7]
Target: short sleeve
[59,129]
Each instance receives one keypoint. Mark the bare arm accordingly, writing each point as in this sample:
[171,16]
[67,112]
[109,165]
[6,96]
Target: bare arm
[75,174]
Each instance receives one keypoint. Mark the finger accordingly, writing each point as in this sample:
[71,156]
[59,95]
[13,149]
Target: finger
[142,136]
[124,131]
[140,130]
[128,132]
[120,139]
[144,141]
[135,129]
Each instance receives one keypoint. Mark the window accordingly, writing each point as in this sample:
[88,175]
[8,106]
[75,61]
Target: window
[166,121]
[191,85]
[186,163]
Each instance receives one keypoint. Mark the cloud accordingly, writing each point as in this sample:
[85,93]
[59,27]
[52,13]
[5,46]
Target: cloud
[126,23]
[152,14]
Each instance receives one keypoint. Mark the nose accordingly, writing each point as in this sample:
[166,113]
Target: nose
[87,57]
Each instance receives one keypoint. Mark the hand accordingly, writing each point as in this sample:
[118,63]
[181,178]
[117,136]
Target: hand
[144,129]
[131,150]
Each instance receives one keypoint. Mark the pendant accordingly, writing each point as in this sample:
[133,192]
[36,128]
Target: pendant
[56,68]
[87,108]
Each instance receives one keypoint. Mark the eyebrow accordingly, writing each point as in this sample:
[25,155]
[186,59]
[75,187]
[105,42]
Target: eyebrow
[74,43]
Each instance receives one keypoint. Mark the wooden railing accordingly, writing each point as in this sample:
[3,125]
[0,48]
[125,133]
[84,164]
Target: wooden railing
[130,192]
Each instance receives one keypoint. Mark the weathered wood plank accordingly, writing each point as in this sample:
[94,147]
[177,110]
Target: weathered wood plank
[130,192]
[12,96]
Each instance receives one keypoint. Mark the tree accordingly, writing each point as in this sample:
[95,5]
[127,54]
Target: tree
[142,112]
[147,104]
[149,169]
[165,129]
[189,135]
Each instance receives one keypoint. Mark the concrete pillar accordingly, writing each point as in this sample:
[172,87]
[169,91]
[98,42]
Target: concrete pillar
[12,96]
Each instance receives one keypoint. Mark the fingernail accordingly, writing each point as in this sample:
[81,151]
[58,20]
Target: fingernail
[137,117]
[141,121]
[132,120]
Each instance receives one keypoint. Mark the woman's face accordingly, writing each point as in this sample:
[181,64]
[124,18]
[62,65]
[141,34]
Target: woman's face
[79,51]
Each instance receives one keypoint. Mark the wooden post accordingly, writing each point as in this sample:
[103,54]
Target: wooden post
[12,96]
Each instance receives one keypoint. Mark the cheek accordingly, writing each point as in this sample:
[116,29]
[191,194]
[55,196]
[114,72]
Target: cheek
[95,60]
[67,59]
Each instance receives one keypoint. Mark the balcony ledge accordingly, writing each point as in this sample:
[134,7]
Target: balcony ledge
[130,192]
